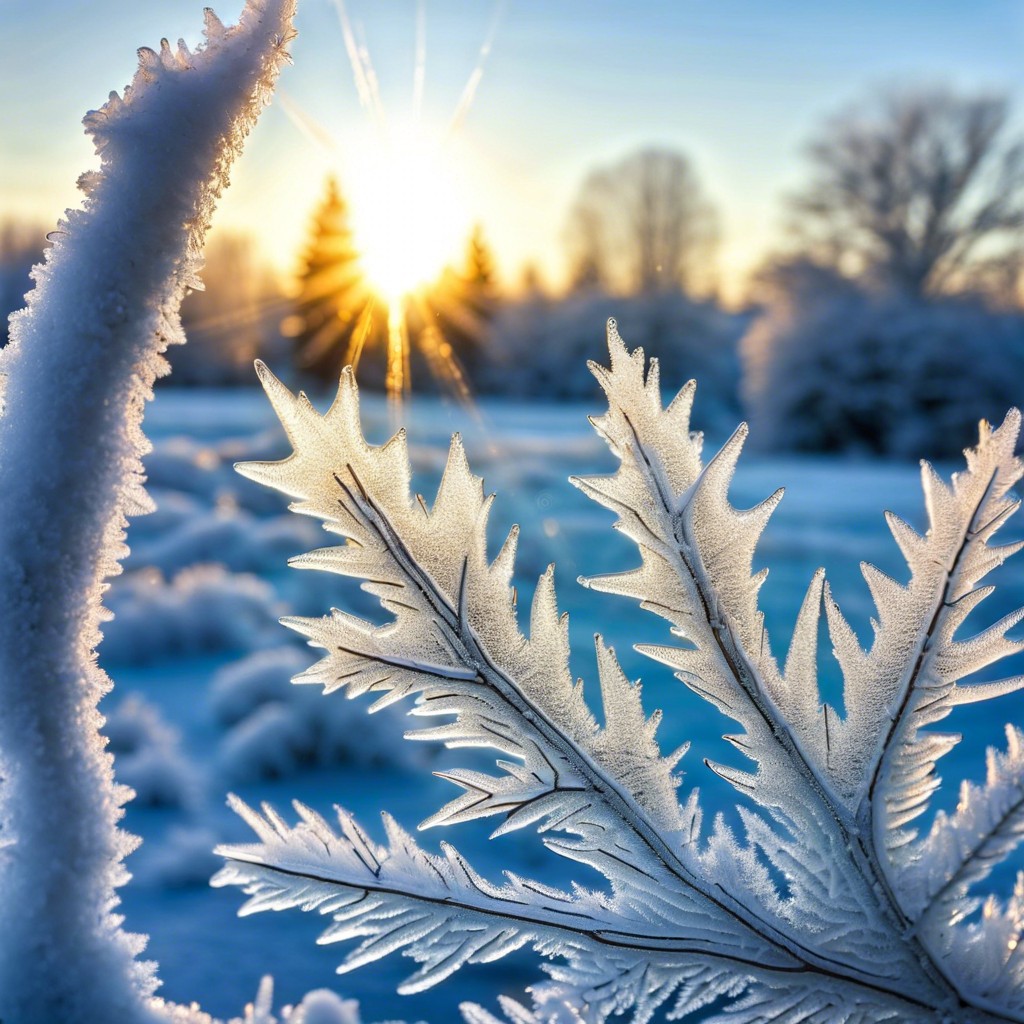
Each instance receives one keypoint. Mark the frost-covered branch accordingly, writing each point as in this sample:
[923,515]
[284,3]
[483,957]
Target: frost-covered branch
[436,908]
[697,553]
[962,849]
[696,571]
[802,916]
[455,643]
[910,677]
[698,549]
[78,370]
[440,912]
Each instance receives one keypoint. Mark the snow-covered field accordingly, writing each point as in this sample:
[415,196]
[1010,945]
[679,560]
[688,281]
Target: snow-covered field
[202,705]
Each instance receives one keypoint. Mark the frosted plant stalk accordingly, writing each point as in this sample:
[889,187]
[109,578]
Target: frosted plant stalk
[827,906]
[77,373]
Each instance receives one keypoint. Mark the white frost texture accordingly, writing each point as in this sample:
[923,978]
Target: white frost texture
[80,366]
[825,905]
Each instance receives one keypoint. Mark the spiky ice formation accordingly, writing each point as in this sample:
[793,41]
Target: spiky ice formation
[77,373]
[827,908]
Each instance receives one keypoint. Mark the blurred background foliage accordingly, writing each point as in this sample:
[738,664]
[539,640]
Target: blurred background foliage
[887,323]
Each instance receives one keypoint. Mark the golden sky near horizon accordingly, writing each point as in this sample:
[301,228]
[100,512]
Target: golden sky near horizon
[511,103]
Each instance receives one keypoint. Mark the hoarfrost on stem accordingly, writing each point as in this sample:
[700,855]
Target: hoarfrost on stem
[80,366]
[828,906]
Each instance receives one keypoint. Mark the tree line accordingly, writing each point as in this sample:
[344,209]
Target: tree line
[919,191]
[887,320]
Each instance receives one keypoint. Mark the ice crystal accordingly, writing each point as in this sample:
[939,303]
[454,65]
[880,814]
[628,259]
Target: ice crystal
[826,906]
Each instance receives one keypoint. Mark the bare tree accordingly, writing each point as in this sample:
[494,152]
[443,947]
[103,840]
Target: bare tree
[917,190]
[642,225]
[585,236]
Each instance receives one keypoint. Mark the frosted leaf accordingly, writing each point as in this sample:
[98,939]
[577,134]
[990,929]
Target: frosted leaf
[696,571]
[697,553]
[454,642]
[909,678]
[455,917]
[821,906]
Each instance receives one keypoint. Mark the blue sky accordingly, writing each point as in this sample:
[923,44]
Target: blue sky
[738,85]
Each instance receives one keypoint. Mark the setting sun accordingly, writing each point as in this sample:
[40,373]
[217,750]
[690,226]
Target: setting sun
[407,218]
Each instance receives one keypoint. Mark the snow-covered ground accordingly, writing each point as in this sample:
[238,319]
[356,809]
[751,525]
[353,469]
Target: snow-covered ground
[201,702]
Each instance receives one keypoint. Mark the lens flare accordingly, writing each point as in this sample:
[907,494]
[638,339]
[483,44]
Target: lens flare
[406,214]
[399,234]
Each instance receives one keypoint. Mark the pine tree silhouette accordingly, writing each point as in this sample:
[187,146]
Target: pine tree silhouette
[467,301]
[336,315]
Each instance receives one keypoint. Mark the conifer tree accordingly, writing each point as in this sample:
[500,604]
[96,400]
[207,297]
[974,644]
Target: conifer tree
[479,260]
[466,302]
[335,312]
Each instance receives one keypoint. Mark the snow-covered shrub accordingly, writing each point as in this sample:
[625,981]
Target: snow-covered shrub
[831,898]
[183,465]
[275,728]
[539,348]
[831,366]
[204,470]
[148,755]
[183,860]
[228,536]
[173,510]
[77,372]
[204,608]
[322,1006]
[318,1007]
[189,468]
[240,688]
